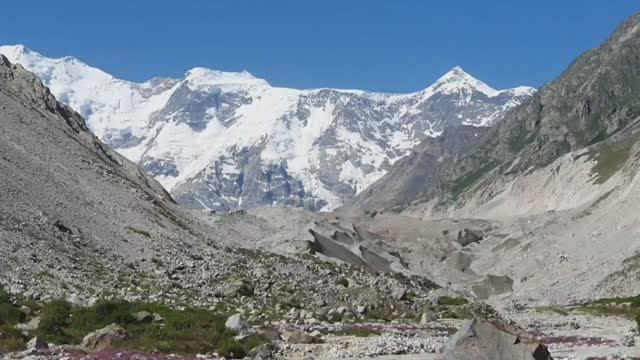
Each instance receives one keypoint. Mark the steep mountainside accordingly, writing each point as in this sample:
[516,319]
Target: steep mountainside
[219,140]
[540,145]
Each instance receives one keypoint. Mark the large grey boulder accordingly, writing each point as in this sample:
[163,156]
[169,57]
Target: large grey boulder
[238,324]
[490,337]
[103,338]
[492,285]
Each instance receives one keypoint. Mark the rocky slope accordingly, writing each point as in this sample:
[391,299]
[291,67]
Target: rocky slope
[222,141]
[558,150]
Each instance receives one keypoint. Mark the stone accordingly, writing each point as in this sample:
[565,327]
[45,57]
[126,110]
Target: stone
[574,325]
[298,337]
[238,324]
[25,310]
[104,338]
[492,285]
[261,352]
[143,316]
[399,294]
[427,317]
[490,337]
[468,236]
[29,326]
[629,340]
[37,343]
[236,288]
[157,318]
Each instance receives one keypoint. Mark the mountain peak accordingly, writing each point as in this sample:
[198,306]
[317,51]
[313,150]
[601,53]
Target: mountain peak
[457,80]
[208,77]
[12,51]
[457,70]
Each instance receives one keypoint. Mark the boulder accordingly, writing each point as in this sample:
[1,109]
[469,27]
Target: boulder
[25,310]
[157,318]
[143,316]
[492,285]
[37,343]
[103,338]
[261,352]
[468,236]
[460,260]
[29,326]
[490,337]
[399,293]
[238,324]
[427,317]
[629,340]
[235,288]
[298,337]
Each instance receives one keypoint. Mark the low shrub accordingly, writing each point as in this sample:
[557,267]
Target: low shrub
[54,319]
[5,297]
[11,339]
[101,315]
[10,314]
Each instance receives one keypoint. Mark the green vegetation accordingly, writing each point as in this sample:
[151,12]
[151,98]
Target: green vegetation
[610,157]
[447,300]
[4,296]
[53,321]
[449,315]
[187,331]
[10,314]
[628,307]
[380,314]
[462,183]
[634,300]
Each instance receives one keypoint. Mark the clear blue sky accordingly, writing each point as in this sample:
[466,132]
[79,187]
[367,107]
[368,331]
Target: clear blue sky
[393,46]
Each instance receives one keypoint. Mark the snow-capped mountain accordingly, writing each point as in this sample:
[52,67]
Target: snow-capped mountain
[224,140]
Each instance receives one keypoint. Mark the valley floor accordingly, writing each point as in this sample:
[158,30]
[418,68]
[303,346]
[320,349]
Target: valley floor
[570,333]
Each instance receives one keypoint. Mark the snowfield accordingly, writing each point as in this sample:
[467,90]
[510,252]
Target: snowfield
[226,140]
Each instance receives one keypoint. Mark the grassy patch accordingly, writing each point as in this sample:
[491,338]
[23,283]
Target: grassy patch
[10,314]
[612,307]
[447,300]
[54,319]
[380,314]
[188,331]
[11,339]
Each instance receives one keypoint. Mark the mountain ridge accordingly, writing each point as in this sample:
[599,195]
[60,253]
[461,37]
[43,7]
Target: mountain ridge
[227,140]
[590,103]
